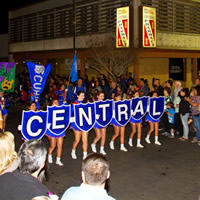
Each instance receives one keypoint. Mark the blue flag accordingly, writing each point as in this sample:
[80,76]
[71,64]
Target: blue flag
[74,71]
[38,77]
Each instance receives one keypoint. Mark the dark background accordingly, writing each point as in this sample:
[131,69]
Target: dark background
[11,5]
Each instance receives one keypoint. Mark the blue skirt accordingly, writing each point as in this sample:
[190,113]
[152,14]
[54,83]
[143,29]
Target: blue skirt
[4,112]
[135,121]
[50,134]
[73,126]
[114,122]
[149,119]
[98,126]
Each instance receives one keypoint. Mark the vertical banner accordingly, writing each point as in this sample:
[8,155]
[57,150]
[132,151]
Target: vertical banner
[149,26]
[122,27]
[7,76]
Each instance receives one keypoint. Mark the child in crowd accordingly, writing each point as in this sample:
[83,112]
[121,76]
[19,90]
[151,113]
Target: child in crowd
[171,116]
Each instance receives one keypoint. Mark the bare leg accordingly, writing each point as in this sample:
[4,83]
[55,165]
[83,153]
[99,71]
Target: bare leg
[103,137]
[85,141]
[98,135]
[122,133]
[59,146]
[139,130]
[52,142]
[116,133]
[133,127]
[4,122]
[77,135]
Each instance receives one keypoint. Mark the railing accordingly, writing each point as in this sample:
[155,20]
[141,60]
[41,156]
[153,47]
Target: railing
[91,16]
[176,15]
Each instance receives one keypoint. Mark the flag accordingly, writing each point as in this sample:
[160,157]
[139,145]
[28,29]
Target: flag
[73,73]
[38,76]
[7,76]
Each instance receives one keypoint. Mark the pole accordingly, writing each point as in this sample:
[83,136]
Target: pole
[74,22]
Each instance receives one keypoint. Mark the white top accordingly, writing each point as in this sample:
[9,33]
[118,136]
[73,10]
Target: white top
[86,192]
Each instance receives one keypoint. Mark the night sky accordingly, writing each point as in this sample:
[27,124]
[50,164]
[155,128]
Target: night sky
[11,4]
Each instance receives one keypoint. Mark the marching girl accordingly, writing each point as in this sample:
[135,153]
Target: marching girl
[4,103]
[55,141]
[62,95]
[99,131]
[136,124]
[118,130]
[79,134]
[153,124]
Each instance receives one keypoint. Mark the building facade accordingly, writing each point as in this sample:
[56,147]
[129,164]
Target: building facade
[49,31]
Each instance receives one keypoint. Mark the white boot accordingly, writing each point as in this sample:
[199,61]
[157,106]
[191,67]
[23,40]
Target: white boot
[84,155]
[139,144]
[130,142]
[58,162]
[156,141]
[102,151]
[73,154]
[50,159]
[93,146]
[111,145]
[122,148]
[147,139]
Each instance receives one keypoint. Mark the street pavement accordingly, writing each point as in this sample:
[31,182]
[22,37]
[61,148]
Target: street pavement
[166,172]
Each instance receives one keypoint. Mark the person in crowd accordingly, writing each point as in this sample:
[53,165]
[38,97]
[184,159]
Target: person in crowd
[24,96]
[55,141]
[177,121]
[153,124]
[144,88]
[184,111]
[171,116]
[8,155]
[97,86]
[113,90]
[169,84]
[105,87]
[77,88]
[99,131]
[195,111]
[3,104]
[78,134]
[118,130]
[135,124]
[160,89]
[95,172]
[164,119]
[23,184]
[177,89]
[197,81]
[62,95]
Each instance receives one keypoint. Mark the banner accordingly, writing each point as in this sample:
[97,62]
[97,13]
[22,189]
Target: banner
[38,77]
[122,112]
[57,118]
[122,27]
[74,70]
[104,112]
[34,124]
[7,76]
[149,26]
[85,116]
[139,107]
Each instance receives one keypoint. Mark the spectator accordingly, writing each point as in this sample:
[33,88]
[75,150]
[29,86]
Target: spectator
[169,84]
[195,111]
[8,156]
[177,89]
[97,86]
[113,90]
[184,110]
[23,183]
[159,87]
[105,87]
[171,116]
[95,172]
[144,88]
[78,87]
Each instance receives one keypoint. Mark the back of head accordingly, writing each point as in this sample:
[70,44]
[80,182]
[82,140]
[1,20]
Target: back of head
[96,169]
[32,154]
[7,150]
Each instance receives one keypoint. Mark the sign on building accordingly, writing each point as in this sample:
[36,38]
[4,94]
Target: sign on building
[149,26]
[122,27]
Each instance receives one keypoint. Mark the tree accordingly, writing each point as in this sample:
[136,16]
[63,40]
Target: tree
[106,57]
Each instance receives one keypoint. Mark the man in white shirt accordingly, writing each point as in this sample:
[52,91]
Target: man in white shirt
[95,172]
